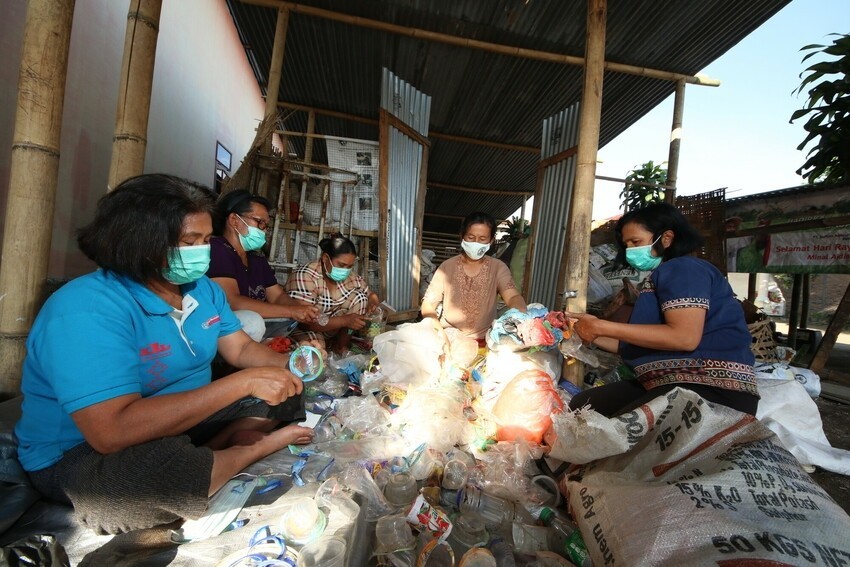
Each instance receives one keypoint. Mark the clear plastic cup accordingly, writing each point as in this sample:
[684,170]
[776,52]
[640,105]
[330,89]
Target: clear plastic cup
[468,531]
[454,474]
[401,489]
[393,534]
[324,552]
[303,522]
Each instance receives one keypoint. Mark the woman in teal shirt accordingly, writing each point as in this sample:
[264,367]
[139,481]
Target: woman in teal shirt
[120,416]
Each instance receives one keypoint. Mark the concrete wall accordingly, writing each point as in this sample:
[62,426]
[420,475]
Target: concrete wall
[203,91]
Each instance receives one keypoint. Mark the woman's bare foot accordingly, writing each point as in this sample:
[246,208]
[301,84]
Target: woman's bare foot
[292,434]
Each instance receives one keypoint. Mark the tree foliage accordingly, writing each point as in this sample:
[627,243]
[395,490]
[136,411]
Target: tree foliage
[635,196]
[827,112]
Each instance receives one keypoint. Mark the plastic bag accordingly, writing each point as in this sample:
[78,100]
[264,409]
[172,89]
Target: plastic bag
[598,287]
[524,409]
[411,354]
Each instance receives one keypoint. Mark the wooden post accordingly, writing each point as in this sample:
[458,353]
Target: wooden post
[836,324]
[577,244]
[33,176]
[134,92]
[794,316]
[804,305]
[273,88]
[752,287]
[675,142]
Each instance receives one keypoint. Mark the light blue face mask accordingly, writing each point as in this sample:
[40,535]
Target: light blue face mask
[187,263]
[641,258]
[338,274]
[254,240]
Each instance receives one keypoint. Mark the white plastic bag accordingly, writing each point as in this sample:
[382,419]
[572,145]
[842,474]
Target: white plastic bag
[411,354]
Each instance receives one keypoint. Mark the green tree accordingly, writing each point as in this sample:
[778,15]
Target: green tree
[635,195]
[827,111]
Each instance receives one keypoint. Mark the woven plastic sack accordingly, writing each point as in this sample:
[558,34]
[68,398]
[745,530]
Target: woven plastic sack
[703,485]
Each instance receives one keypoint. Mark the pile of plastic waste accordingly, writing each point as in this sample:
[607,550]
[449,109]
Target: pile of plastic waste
[438,440]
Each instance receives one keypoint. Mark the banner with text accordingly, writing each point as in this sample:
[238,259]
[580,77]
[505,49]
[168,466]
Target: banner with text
[819,251]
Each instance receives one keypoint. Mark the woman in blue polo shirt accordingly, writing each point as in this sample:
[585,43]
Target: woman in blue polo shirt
[686,330]
[120,416]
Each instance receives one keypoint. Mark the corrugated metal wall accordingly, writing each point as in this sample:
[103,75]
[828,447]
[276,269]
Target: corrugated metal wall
[404,166]
[560,132]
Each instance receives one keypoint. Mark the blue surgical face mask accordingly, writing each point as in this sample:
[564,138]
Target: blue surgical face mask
[254,240]
[187,263]
[641,258]
[338,274]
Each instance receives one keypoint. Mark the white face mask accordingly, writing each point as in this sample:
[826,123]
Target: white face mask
[474,250]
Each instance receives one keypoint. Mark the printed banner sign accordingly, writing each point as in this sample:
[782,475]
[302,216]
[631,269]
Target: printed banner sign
[819,251]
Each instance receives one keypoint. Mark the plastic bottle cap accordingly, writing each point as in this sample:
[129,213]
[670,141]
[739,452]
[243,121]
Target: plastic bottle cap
[546,515]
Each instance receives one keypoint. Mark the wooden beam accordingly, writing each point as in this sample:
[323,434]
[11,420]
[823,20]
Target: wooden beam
[521,52]
[792,226]
[836,324]
[431,133]
[463,189]
[560,156]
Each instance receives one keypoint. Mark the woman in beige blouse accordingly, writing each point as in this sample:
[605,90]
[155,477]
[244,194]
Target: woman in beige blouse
[467,284]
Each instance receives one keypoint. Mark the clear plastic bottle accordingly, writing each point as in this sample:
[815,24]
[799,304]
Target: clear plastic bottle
[502,552]
[323,319]
[498,513]
[566,539]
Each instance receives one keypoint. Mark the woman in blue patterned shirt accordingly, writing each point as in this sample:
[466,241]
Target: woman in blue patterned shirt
[686,330]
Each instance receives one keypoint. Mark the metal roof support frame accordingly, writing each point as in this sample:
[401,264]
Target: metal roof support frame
[403,167]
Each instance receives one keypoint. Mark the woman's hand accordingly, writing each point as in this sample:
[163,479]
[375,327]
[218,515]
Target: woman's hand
[587,326]
[270,384]
[305,313]
[355,321]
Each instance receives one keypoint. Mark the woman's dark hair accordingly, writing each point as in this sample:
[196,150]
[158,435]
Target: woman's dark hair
[337,245]
[136,224]
[478,217]
[658,218]
[239,202]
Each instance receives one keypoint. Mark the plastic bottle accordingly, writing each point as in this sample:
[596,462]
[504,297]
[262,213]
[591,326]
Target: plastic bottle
[322,319]
[566,539]
[497,512]
[502,552]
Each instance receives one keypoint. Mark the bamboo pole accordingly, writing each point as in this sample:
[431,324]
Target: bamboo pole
[487,46]
[308,158]
[130,140]
[675,142]
[574,271]
[33,176]
[273,88]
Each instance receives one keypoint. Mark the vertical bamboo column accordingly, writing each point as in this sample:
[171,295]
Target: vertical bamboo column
[675,142]
[33,178]
[273,87]
[130,140]
[574,271]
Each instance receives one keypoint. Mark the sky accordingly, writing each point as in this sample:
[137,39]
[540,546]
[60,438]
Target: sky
[736,135]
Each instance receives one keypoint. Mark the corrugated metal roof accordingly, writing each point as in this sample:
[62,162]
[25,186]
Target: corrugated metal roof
[337,66]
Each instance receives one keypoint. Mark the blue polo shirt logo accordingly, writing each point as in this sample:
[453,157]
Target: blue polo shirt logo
[154,350]
[210,322]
